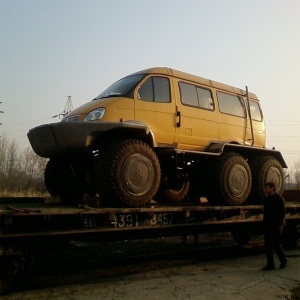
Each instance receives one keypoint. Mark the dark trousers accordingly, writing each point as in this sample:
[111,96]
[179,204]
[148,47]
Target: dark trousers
[273,241]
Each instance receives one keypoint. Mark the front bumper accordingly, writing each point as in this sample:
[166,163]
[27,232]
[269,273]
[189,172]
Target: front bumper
[57,139]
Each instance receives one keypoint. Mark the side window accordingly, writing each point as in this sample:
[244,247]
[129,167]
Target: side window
[255,111]
[188,94]
[161,89]
[195,96]
[231,105]
[155,89]
[205,99]
[146,91]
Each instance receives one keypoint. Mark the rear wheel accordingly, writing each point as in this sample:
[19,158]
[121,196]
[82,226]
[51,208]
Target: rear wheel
[232,179]
[265,169]
[127,172]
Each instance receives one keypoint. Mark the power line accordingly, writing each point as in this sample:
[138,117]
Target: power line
[26,122]
[287,121]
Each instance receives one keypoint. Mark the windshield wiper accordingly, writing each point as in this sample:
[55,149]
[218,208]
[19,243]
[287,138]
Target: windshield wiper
[112,94]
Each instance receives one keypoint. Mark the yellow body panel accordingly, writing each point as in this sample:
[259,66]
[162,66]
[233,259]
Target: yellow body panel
[116,109]
[198,127]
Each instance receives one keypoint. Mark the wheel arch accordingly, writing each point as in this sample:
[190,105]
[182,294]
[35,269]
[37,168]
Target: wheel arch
[97,139]
[247,152]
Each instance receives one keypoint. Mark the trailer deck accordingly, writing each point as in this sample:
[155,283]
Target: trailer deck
[30,220]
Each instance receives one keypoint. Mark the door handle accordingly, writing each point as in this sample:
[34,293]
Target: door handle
[178,115]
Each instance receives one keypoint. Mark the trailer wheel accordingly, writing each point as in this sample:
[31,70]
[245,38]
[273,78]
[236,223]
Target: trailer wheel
[232,176]
[290,236]
[127,172]
[265,169]
[15,266]
[241,236]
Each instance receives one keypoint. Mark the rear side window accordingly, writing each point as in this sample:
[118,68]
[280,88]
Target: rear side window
[255,111]
[155,89]
[232,105]
[195,96]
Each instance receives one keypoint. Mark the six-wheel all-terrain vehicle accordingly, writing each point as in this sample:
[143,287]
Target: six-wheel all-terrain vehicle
[161,134]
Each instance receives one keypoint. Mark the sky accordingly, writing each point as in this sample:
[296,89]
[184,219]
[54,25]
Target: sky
[52,49]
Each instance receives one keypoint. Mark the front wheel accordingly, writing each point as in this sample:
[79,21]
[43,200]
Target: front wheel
[127,172]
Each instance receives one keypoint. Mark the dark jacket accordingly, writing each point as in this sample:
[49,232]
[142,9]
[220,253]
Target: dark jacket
[274,211]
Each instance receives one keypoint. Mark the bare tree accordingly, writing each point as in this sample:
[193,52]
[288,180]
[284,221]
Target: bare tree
[9,163]
[20,171]
[3,155]
[13,166]
[34,167]
[3,152]
[293,175]
[296,173]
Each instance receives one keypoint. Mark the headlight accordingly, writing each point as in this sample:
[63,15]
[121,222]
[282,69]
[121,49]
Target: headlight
[71,119]
[95,114]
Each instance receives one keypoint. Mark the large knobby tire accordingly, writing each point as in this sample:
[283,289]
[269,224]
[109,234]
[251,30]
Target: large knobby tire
[127,172]
[231,179]
[265,169]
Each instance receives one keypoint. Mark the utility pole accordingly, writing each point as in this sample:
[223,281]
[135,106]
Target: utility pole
[68,108]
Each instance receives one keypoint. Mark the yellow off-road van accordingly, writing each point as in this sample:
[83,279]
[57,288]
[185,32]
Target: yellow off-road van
[161,134]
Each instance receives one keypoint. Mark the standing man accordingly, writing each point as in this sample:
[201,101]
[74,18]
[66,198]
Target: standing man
[274,220]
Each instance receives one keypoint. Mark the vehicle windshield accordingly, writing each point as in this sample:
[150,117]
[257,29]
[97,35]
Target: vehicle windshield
[121,87]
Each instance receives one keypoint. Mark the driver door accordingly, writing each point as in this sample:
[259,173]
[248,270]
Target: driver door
[155,106]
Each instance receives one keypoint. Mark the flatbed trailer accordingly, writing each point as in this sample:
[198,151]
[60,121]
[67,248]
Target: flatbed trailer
[30,224]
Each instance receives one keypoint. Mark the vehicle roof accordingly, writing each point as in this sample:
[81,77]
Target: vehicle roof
[195,79]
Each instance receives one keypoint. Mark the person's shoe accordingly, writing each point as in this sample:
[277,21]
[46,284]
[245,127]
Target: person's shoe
[283,264]
[268,268]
